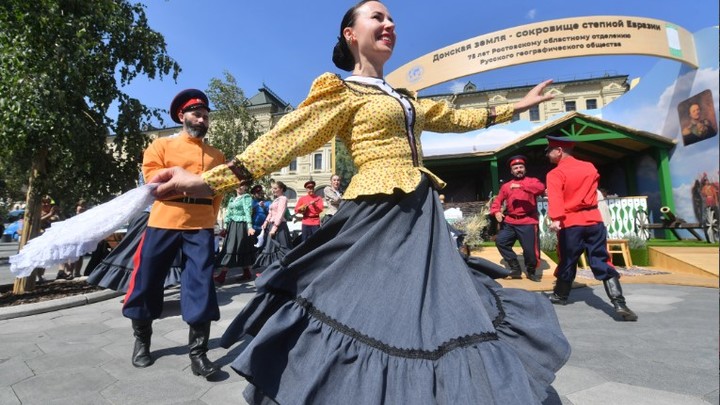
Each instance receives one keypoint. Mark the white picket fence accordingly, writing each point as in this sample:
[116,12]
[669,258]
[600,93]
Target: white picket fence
[623,210]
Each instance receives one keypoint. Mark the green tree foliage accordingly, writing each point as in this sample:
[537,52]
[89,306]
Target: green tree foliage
[63,65]
[344,166]
[232,127]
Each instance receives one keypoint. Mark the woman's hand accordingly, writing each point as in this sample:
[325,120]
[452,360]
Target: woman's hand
[178,181]
[533,97]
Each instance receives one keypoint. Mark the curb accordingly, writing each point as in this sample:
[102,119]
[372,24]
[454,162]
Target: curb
[54,305]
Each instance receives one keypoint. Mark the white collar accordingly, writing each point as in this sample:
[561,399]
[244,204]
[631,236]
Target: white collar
[366,79]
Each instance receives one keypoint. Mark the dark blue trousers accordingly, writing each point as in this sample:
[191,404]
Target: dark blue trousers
[575,240]
[153,258]
[528,235]
[308,231]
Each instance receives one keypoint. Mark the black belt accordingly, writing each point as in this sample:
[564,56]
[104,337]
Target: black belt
[191,200]
[585,208]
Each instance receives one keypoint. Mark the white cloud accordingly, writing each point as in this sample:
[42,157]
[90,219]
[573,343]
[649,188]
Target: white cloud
[646,116]
[475,141]
[456,86]
[682,195]
[531,14]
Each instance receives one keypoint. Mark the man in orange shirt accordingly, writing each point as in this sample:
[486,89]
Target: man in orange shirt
[184,224]
[573,210]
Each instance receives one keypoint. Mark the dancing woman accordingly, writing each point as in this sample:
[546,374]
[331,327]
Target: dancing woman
[378,307]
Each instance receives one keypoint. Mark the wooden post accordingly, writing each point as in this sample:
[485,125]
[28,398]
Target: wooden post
[31,223]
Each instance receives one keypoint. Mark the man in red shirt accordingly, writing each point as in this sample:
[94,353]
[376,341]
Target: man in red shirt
[573,210]
[520,219]
[310,206]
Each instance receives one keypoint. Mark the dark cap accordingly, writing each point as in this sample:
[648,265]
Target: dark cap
[309,183]
[559,142]
[256,188]
[517,160]
[188,100]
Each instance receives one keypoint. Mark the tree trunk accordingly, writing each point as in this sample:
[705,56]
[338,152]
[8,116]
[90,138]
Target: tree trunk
[31,223]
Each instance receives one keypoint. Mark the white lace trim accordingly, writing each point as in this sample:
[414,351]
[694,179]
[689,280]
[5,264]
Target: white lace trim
[69,240]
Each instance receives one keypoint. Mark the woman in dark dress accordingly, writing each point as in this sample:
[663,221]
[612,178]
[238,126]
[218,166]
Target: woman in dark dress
[378,307]
[237,250]
[115,269]
[275,232]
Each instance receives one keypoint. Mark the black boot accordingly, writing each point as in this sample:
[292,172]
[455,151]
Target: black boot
[533,275]
[142,330]
[561,292]
[614,292]
[198,342]
[515,270]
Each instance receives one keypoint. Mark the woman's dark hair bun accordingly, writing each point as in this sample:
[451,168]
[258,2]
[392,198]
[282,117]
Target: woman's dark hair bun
[342,57]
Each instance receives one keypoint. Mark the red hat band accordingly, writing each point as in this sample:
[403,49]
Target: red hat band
[192,102]
[517,161]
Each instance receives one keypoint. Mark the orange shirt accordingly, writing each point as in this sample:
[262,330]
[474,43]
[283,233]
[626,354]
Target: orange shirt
[193,155]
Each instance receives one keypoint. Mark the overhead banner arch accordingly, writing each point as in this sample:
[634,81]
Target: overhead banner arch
[553,39]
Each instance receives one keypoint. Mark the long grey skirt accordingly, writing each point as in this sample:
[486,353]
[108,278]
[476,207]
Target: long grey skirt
[379,308]
[238,249]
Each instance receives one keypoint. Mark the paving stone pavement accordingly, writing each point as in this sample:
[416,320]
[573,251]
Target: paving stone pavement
[81,355]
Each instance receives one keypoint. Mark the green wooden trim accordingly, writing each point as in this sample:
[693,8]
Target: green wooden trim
[494,176]
[665,183]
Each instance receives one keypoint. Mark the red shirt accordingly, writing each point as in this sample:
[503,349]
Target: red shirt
[520,202]
[572,193]
[310,212]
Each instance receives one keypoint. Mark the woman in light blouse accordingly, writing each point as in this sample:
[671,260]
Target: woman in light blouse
[276,242]
[378,307]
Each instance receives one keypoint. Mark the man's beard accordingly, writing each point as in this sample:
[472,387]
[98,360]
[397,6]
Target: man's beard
[196,131]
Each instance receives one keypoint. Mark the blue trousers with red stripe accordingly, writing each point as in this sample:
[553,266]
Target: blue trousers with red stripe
[528,235]
[153,258]
[575,240]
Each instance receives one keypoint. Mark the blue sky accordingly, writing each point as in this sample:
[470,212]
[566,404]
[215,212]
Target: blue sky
[286,44]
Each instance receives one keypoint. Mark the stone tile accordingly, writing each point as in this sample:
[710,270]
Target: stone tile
[28,324]
[8,397]
[226,393]
[617,393]
[87,399]
[54,363]
[63,330]
[13,371]
[572,379]
[72,344]
[20,349]
[162,387]
[62,386]
[712,398]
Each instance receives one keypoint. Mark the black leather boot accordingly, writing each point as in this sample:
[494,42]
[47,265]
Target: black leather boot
[561,292]
[614,292]
[198,342]
[142,330]
[533,274]
[515,270]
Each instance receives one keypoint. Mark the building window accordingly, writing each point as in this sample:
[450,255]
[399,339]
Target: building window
[317,162]
[570,106]
[534,113]
[293,166]
[591,104]
[290,194]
